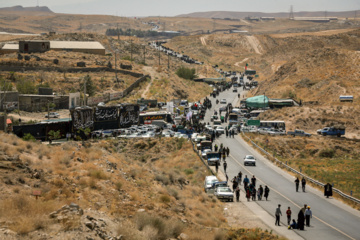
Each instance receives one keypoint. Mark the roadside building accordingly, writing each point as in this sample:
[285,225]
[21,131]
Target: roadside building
[77,46]
[34,46]
[6,48]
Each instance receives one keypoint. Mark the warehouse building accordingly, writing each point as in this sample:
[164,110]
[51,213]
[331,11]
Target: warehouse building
[38,46]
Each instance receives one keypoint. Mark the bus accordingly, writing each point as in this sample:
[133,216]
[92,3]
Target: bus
[273,124]
[233,118]
[148,117]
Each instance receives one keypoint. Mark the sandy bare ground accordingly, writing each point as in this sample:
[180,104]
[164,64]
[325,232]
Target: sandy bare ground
[203,41]
[238,63]
[254,43]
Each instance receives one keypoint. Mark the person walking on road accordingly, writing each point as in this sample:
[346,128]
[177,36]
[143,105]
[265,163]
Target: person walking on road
[224,156]
[277,215]
[227,133]
[216,147]
[217,166]
[303,184]
[227,151]
[261,192]
[247,191]
[240,177]
[258,194]
[237,194]
[267,191]
[308,215]
[288,215]
[225,165]
[246,181]
[234,183]
[297,182]
[328,190]
[253,180]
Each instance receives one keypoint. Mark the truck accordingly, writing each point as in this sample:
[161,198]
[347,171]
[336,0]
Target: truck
[298,132]
[213,158]
[332,131]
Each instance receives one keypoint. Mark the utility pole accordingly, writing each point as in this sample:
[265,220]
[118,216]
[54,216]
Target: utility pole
[144,53]
[291,15]
[168,61]
[117,31]
[48,105]
[115,68]
[159,56]
[85,90]
[131,49]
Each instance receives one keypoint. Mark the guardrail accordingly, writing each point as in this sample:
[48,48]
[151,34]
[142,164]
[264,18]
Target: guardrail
[301,174]
[201,158]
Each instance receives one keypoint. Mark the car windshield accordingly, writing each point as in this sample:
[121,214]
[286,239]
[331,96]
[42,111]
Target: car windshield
[224,189]
[249,157]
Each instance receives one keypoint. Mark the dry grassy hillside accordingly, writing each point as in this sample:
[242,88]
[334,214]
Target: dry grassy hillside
[140,189]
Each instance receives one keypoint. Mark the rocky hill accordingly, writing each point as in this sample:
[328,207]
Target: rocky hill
[26,9]
[127,189]
[242,15]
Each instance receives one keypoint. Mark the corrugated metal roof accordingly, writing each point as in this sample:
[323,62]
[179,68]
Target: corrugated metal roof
[75,45]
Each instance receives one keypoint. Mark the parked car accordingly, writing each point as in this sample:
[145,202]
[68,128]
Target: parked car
[204,152]
[209,180]
[249,160]
[298,132]
[52,115]
[235,90]
[220,129]
[215,185]
[276,132]
[106,133]
[224,193]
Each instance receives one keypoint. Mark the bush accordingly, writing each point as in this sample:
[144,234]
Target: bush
[189,171]
[186,73]
[165,229]
[327,153]
[29,137]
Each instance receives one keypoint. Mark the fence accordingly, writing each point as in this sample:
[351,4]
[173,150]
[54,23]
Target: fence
[201,158]
[92,101]
[303,175]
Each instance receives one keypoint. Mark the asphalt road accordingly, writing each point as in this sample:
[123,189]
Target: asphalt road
[332,220]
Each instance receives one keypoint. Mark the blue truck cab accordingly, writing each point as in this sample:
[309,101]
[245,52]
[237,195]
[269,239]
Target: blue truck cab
[333,131]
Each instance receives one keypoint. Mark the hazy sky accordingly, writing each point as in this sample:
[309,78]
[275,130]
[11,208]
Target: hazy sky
[175,7]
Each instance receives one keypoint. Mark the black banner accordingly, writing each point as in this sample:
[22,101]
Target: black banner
[105,114]
[129,115]
[83,118]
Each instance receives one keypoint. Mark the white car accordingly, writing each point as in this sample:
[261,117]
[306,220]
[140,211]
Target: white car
[203,153]
[224,193]
[209,180]
[223,101]
[52,115]
[148,135]
[194,136]
[220,129]
[249,160]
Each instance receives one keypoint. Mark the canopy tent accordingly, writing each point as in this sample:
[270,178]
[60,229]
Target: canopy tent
[257,102]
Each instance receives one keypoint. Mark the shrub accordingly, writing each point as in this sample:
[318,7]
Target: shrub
[327,153]
[98,174]
[186,73]
[29,137]
[165,199]
[189,171]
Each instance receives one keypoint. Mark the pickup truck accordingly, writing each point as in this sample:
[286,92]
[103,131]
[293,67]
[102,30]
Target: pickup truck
[331,131]
[298,133]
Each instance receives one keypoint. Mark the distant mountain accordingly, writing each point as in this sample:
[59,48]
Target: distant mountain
[241,15]
[26,9]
